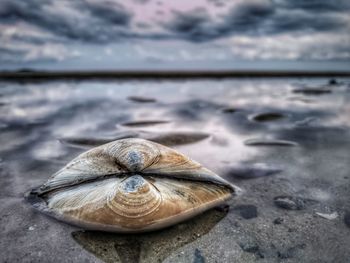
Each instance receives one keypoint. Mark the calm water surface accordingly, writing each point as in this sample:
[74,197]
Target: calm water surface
[298,127]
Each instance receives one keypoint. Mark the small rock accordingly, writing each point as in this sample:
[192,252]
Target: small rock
[229,110]
[328,216]
[268,116]
[141,99]
[268,142]
[332,82]
[278,221]
[347,218]
[251,247]
[289,202]
[290,252]
[143,123]
[198,258]
[247,211]
[312,91]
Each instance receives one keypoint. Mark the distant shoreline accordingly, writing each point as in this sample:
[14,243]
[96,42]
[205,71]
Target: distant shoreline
[176,74]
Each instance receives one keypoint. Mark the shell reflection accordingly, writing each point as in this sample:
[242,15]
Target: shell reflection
[147,247]
[130,185]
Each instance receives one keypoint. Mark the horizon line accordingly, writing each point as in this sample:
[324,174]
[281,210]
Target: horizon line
[29,74]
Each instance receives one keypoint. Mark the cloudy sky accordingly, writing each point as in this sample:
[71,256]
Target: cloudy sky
[181,34]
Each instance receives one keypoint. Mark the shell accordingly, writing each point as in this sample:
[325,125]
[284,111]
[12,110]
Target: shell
[130,185]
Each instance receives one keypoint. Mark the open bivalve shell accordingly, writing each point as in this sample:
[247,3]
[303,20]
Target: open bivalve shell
[130,185]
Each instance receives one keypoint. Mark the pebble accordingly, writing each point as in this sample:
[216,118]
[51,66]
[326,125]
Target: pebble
[347,218]
[229,110]
[251,247]
[291,252]
[312,91]
[289,202]
[269,116]
[278,221]
[269,142]
[143,123]
[198,258]
[141,99]
[333,82]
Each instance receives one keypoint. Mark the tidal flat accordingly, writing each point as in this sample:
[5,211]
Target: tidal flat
[284,141]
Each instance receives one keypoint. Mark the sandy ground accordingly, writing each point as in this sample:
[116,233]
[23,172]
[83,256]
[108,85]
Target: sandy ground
[295,179]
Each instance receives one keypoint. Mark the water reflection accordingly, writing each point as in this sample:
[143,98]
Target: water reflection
[147,247]
[165,138]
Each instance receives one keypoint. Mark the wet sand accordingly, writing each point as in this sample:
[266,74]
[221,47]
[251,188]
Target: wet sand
[294,205]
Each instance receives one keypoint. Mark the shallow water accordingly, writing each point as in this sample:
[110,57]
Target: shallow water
[44,125]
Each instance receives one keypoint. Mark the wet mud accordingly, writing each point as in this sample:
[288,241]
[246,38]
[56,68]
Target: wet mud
[284,142]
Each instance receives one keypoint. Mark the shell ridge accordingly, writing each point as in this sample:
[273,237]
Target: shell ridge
[127,205]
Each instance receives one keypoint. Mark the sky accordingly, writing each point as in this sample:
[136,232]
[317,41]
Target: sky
[177,34]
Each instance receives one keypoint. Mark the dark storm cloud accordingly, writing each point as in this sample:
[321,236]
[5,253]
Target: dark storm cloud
[316,6]
[194,26]
[247,17]
[107,21]
[112,13]
[197,25]
[94,26]
[35,23]
[301,21]
[259,18]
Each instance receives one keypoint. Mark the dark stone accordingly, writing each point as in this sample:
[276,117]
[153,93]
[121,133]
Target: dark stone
[268,142]
[278,221]
[143,123]
[347,218]
[289,202]
[246,211]
[332,82]
[269,116]
[312,91]
[229,110]
[290,252]
[198,258]
[251,247]
[141,99]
